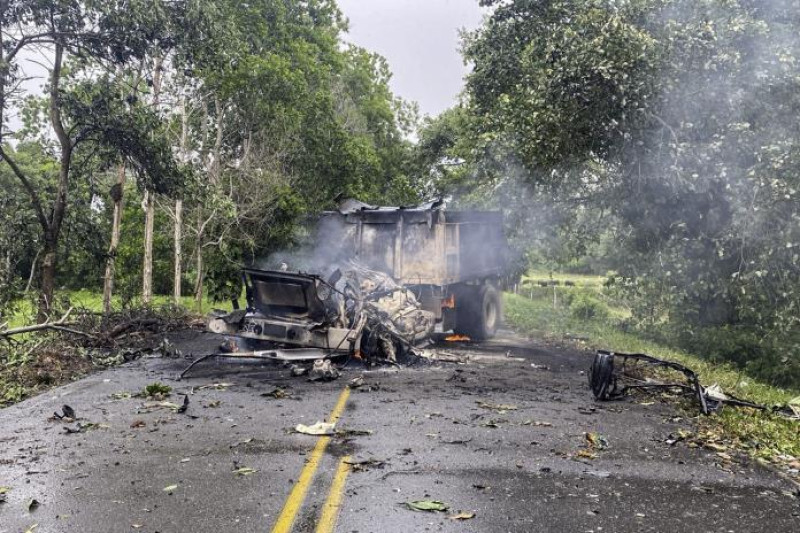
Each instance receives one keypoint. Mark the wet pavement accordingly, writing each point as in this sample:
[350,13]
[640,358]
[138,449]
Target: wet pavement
[500,437]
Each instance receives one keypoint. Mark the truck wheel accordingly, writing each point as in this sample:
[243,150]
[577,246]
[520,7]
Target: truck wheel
[478,313]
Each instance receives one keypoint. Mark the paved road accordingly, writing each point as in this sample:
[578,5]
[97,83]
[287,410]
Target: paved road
[517,470]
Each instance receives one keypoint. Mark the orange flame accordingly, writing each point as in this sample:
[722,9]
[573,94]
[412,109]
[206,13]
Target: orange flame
[457,338]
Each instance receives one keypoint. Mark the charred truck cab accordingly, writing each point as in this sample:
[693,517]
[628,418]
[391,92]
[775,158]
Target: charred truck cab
[399,271]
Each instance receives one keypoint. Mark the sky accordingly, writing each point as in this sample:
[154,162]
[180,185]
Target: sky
[419,39]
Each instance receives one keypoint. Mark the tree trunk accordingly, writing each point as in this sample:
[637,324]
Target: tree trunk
[48,282]
[198,287]
[150,204]
[178,251]
[147,267]
[53,226]
[179,206]
[111,261]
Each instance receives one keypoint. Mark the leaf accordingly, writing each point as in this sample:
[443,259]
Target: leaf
[31,528]
[427,505]
[596,441]
[497,406]
[462,516]
[169,489]
[244,471]
[4,490]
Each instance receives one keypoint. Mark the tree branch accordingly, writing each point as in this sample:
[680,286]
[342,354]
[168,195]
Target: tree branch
[35,200]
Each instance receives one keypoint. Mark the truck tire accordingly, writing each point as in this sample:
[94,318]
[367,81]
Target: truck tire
[478,312]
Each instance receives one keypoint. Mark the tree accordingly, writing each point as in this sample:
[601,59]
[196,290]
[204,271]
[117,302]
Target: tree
[105,34]
[677,119]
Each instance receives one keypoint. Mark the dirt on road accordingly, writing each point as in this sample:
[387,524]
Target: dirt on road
[510,441]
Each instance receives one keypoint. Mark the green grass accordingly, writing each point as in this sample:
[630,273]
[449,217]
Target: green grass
[580,280]
[93,301]
[763,435]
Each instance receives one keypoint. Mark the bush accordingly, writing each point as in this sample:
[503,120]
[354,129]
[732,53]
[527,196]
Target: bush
[585,307]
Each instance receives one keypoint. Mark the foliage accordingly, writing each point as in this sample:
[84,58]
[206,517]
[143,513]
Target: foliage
[656,138]
[585,307]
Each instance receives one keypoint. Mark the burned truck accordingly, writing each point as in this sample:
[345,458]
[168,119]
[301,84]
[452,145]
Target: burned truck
[378,281]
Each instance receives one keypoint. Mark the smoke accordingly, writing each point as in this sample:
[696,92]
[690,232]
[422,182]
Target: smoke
[321,246]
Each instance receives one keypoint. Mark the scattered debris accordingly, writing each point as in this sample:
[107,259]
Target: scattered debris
[169,489]
[356,382]
[152,406]
[537,423]
[457,338]
[244,471]
[609,380]
[68,413]
[596,441]
[462,516]
[167,349]
[346,433]
[184,406]
[365,465]
[82,428]
[216,386]
[427,505]
[501,408]
[323,370]
[297,370]
[320,428]
[138,424]
[278,393]
[3,492]
[33,504]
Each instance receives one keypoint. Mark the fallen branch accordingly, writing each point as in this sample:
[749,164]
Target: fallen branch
[55,326]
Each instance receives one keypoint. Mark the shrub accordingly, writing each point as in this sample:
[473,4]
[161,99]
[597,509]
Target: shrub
[585,307]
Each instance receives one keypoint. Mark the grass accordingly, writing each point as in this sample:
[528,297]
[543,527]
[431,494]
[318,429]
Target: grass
[580,280]
[763,435]
[93,301]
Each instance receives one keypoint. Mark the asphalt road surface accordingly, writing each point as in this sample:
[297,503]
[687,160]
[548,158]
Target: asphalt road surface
[501,440]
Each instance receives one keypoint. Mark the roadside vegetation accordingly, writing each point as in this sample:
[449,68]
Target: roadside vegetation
[590,317]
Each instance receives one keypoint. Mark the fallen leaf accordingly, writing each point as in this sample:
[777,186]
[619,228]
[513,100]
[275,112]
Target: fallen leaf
[427,505]
[244,471]
[462,516]
[596,441]
[137,526]
[277,393]
[497,406]
[586,454]
[31,528]
[169,489]
[215,386]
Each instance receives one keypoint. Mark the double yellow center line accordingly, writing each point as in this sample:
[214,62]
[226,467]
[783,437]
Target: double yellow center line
[295,500]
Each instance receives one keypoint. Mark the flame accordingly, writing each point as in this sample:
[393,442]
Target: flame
[457,338]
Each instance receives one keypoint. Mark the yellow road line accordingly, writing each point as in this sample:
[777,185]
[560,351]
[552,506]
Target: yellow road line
[330,511]
[300,489]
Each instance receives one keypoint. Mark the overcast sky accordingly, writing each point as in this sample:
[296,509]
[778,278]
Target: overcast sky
[420,40]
